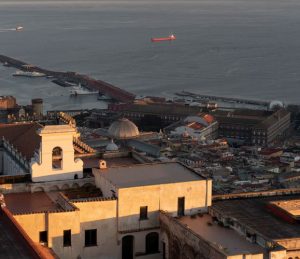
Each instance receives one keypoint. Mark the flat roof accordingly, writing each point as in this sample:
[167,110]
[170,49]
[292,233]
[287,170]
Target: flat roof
[24,203]
[149,174]
[290,206]
[253,213]
[225,238]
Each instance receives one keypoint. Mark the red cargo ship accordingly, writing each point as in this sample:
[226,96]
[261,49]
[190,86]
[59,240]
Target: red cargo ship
[171,37]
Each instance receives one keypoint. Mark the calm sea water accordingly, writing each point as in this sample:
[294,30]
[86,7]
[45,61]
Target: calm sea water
[241,48]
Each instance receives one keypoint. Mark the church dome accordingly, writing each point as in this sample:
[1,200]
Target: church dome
[123,129]
[111,146]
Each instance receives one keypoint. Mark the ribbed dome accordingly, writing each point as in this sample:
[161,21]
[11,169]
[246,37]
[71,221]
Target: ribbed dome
[123,129]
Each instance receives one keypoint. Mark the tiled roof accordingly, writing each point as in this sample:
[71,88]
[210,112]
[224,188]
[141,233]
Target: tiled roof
[22,136]
[25,203]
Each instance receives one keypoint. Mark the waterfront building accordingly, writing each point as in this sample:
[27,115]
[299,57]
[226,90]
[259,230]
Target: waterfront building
[252,127]
[201,126]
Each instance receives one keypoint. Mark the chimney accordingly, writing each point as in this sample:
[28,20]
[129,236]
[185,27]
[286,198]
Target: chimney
[102,164]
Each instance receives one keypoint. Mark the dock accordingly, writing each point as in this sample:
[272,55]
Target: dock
[102,87]
[232,100]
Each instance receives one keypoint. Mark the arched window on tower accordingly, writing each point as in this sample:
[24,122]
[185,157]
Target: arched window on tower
[57,158]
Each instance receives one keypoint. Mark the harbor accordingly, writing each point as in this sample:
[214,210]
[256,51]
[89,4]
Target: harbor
[84,85]
[224,102]
[91,84]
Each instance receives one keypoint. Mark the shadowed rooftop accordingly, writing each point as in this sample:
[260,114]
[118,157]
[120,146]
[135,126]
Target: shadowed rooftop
[226,239]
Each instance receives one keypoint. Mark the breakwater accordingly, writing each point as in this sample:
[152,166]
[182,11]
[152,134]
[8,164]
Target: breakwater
[102,87]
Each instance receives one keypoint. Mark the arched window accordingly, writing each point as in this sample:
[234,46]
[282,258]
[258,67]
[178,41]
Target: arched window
[152,243]
[57,158]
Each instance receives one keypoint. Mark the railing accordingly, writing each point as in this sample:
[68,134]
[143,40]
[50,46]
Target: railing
[84,147]
[66,118]
[16,155]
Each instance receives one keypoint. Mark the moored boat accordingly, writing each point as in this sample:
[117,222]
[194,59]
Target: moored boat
[29,74]
[79,90]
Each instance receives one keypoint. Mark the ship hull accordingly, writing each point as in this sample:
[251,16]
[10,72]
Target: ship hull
[24,75]
[162,39]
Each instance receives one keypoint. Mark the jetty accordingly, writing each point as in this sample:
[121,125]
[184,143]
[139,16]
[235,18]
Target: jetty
[102,87]
[232,100]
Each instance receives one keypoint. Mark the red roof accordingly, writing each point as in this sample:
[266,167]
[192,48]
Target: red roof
[23,136]
[208,118]
[195,125]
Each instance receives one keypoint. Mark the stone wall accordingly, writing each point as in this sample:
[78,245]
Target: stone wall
[277,192]
[46,186]
[183,243]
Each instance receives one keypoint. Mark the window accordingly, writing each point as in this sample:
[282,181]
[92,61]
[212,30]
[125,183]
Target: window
[67,238]
[144,213]
[91,237]
[57,158]
[180,208]
[44,237]
[152,243]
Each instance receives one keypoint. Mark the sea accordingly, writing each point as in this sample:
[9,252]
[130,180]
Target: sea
[236,48]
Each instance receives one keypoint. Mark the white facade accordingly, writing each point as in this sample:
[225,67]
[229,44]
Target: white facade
[56,136]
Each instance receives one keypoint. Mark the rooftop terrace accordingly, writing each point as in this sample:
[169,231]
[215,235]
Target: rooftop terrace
[83,193]
[226,239]
[255,214]
[149,174]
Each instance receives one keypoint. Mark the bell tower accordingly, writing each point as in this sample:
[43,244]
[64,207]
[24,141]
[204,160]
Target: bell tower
[55,159]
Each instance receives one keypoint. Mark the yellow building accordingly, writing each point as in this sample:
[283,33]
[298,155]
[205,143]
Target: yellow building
[123,222]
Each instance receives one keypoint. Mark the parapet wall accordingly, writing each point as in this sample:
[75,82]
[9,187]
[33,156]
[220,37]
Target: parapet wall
[184,243]
[278,192]
[44,186]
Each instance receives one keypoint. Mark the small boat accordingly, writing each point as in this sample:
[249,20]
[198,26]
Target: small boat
[79,90]
[63,83]
[29,74]
[169,38]
[19,28]
[103,97]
